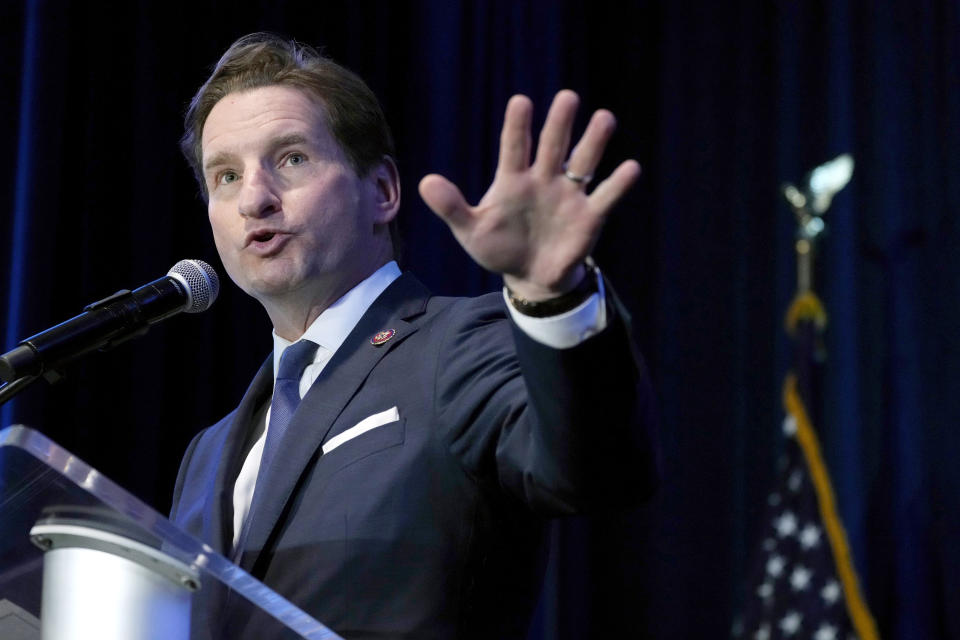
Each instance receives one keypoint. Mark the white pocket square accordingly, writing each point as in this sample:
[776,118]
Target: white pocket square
[368,423]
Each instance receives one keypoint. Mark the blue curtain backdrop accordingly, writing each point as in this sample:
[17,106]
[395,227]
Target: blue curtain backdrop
[721,102]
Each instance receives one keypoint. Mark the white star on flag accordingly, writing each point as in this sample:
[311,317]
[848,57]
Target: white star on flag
[825,632]
[775,566]
[831,592]
[789,426]
[765,590]
[763,633]
[790,623]
[810,536]
[795,480]
[800,578]
[786,524]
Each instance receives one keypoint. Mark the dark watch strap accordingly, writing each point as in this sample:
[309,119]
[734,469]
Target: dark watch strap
[561,304]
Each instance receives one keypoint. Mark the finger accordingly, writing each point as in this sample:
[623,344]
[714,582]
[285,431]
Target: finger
[589,150]
[515,138]
[612,189]
[445,199]
[555,135]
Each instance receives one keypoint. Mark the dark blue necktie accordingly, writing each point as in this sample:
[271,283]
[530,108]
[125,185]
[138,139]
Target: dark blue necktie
[286,396]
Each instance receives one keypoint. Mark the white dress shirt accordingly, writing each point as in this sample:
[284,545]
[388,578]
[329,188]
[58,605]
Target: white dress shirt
[336,322]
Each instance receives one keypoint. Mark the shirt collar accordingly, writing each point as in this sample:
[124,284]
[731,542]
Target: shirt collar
[336,322]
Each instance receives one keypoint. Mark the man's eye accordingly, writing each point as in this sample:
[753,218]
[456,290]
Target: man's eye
[294,159]
[227,177]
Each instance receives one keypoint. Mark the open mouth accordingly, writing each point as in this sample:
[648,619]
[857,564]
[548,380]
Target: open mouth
[263,236]
[266,242]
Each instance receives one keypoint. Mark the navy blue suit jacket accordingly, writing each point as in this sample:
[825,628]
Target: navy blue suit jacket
[429,526]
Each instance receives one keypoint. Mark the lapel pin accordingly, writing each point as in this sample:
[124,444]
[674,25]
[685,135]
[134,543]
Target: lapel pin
[382,336]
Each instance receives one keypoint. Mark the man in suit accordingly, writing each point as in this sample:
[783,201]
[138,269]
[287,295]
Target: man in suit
[401,488]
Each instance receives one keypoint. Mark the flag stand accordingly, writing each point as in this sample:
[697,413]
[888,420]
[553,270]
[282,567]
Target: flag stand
[800,581]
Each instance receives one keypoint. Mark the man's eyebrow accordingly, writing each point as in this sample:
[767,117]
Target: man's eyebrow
[217,159]
[289,140]
[286,140]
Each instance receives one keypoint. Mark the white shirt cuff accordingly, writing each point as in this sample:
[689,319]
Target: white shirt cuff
[569,328]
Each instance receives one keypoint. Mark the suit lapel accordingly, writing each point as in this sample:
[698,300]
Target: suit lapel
[220,501]
[330,393]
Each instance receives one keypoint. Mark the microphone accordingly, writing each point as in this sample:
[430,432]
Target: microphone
[190,286]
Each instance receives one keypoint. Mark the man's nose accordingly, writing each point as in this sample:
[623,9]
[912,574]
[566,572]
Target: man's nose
[258,194]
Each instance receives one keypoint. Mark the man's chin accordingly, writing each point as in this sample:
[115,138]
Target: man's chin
[274,279]
[267,286]
[271,291]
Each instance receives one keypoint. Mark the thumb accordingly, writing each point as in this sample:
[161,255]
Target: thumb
[445,199]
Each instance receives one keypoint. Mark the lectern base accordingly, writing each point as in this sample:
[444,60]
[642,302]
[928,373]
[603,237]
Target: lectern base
[102,586]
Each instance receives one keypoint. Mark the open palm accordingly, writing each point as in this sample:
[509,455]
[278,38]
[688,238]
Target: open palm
[536,223]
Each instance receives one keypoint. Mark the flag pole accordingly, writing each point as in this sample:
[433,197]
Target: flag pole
[807,315]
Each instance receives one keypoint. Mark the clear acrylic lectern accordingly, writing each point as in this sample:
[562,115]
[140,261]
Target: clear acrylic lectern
[82,558]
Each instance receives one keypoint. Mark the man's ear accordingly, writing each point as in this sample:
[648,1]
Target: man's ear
[385,180]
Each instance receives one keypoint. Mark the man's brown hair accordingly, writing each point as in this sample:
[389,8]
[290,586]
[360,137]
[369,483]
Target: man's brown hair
[258,60]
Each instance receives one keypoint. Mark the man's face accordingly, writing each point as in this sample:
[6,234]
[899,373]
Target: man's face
[292,221]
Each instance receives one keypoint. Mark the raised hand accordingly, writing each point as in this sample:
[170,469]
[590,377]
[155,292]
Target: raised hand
[536,223]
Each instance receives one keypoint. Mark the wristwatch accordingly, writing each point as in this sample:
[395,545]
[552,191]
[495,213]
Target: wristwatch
[561,304]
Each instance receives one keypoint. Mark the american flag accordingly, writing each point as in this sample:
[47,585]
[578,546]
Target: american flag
[794,590]
[802,583]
